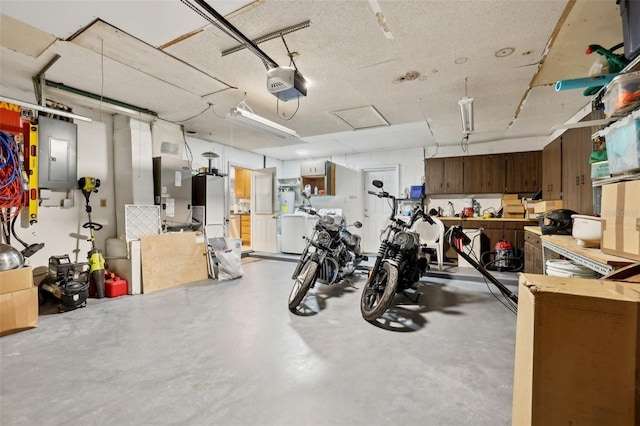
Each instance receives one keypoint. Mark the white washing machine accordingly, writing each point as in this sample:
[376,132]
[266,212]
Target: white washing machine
[472,249]
[293,228]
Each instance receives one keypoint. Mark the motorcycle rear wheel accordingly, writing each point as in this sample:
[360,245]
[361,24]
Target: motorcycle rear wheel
[302,283]
[379,291]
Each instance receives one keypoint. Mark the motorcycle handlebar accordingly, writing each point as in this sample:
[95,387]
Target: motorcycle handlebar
[382,194]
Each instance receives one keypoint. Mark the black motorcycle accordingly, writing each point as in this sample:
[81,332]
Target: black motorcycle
[332,253]
[398,264]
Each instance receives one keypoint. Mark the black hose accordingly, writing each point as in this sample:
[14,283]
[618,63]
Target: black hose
[516,262]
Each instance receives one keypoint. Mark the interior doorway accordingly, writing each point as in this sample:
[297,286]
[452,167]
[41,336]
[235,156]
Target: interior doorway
[240,194]
[377,210]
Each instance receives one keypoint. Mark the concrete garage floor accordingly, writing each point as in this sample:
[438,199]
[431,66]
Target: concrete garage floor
[230,353]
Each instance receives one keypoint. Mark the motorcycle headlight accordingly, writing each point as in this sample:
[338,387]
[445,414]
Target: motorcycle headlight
[324,238]
[327,220]
[403,239]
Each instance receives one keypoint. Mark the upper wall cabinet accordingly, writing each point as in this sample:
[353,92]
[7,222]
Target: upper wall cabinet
[518,172]
[524,172]
[484,174]
[320,175]
[443,175]
[313,168]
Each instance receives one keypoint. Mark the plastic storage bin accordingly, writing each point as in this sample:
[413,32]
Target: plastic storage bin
[623,144]
[630,15]
[600,170]
[622,95]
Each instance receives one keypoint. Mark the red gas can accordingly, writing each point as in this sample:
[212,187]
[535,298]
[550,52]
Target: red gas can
[115,286]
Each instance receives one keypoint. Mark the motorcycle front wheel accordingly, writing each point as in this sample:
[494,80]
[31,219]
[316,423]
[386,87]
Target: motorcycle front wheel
[379,291]
[302,283]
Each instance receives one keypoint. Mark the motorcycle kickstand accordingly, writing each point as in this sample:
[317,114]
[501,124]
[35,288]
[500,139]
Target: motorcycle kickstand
[348,282]
[408,296]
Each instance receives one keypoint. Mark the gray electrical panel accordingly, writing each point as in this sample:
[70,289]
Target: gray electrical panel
[57,154]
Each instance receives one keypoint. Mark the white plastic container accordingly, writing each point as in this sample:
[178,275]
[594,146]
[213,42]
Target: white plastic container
[586,230]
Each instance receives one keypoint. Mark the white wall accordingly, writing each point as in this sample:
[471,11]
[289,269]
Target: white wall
[411,162]
[58,227]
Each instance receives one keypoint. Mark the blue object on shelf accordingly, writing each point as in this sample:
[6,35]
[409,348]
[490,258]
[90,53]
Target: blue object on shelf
[417,191]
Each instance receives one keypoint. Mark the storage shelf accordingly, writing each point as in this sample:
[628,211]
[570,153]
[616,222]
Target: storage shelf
[615,179]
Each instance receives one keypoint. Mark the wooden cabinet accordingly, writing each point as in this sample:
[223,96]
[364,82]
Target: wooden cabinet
[243,183]
[577,192]
[484,174]
[523,172]
[473,174]
[552,165]
[533,253]
[245,229]
[444,175]
[514,233]
[519,172]
[321,175]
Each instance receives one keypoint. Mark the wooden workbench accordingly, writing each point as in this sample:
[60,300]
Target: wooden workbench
[592,258]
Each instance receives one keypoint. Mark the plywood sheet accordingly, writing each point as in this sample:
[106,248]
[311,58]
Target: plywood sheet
[173,259]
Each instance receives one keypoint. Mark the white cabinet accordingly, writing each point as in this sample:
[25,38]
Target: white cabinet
[313,168]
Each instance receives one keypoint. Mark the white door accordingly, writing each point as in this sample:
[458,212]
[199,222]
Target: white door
[264,225]
[377,210]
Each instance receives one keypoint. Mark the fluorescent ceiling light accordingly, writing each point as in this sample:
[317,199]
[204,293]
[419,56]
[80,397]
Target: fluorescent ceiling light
[45,109]
[466,114]
[261,124]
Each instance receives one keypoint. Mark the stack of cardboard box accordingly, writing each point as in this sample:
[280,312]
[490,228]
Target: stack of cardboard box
[18,301]
[542,207]
[529,208]
[512,207]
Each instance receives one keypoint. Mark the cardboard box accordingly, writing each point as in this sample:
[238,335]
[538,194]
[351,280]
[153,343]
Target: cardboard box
[513,208]
[577,359]
[16,279]
[18,311]
[510,196]
[620,220]
[546,206]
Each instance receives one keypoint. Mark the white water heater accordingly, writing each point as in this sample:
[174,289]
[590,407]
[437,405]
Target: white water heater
[287,200]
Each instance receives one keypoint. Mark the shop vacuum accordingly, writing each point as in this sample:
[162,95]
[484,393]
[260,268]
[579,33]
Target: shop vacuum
[457,239]
[504,257]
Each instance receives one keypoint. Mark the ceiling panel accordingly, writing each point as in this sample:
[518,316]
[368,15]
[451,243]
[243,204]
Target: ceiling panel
[412,79]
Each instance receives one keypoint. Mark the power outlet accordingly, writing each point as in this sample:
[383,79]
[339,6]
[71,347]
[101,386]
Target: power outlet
[103,202]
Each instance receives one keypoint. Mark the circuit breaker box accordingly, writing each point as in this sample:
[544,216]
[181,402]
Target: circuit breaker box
[57,154]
